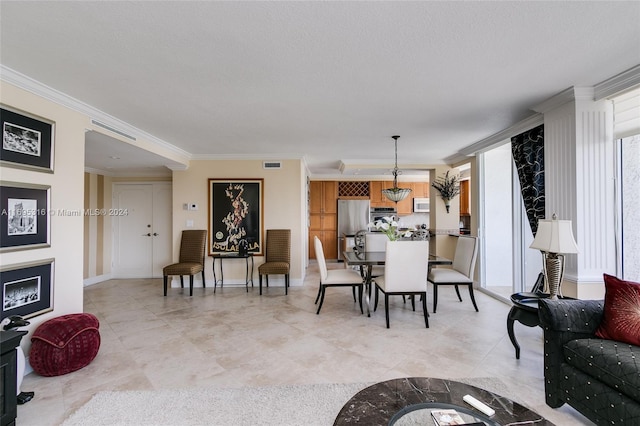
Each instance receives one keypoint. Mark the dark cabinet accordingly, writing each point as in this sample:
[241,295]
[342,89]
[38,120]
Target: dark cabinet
[8,371]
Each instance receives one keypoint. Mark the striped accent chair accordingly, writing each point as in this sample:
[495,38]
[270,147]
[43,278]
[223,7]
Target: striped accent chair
[192,251]
[277,257]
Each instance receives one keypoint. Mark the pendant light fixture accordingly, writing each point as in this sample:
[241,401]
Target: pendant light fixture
[396,194]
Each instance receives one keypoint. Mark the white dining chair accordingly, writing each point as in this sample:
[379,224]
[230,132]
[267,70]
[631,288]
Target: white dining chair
[376,241]
[461,272]
[405,274]
[343,277]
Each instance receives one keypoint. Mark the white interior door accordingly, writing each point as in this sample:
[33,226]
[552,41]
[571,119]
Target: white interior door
[161,235]
[142,237]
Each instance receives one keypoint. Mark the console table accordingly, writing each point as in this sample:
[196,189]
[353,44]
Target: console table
[248,257]
[8,364]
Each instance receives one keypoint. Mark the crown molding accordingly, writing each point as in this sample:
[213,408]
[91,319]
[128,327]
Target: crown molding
[33,86]
[617,84]
[569,95]
[499,138]
[257,157]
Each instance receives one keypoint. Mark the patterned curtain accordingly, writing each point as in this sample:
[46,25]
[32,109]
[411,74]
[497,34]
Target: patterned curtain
[528,154]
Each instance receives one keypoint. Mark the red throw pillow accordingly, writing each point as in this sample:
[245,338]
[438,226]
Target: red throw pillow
[621,317]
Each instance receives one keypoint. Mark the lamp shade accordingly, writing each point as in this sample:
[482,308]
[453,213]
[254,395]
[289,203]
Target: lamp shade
[396,194]
[554,236]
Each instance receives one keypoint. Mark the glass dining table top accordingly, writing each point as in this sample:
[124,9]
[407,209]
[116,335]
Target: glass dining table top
[378,258]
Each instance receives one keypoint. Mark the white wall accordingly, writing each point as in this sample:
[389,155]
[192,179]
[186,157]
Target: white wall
[67,193]
[283,208]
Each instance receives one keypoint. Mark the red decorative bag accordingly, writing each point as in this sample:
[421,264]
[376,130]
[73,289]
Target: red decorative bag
[64,344]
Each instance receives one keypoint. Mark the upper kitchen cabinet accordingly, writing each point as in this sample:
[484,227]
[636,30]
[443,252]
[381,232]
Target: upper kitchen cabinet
[377,199]
[323,197]
[418,190]
[464,198]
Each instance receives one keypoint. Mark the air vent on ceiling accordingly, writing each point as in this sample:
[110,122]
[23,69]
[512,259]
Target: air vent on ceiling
[104,126]
[271,165]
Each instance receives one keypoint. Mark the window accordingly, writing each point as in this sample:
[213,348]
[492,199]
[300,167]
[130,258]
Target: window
[507,265]
[629,200]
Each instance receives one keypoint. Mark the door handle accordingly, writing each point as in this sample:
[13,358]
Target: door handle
[146,235]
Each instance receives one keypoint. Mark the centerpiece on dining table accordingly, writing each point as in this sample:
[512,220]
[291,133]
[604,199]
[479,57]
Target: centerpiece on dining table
[390,228]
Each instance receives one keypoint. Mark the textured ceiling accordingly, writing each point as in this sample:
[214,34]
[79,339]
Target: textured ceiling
[327,81]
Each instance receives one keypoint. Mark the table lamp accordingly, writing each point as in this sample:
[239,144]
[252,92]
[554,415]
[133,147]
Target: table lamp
[554,239]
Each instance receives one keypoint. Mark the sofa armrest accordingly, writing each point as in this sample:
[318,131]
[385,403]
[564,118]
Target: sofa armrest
[564,320]
[571,315]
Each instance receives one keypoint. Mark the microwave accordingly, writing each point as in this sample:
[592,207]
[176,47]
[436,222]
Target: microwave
[421,205]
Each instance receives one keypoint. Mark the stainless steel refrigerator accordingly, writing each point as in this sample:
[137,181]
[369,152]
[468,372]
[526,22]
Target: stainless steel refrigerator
[353,216]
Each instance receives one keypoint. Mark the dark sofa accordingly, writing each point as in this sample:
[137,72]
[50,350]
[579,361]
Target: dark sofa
[599,378]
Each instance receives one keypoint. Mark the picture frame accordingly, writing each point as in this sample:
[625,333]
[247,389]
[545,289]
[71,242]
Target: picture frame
[235,211]
[27,288]
[24,216]
[27,140]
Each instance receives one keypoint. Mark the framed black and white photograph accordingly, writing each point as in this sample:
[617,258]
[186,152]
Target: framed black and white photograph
[27,288]
[235,214]
[27,141]
[24,216]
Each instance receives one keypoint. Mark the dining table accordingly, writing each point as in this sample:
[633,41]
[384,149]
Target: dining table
[366,260]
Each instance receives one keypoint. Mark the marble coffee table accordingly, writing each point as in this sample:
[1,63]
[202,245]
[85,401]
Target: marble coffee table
[387,403]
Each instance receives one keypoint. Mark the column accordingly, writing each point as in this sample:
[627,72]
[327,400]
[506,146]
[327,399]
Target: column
[580,184]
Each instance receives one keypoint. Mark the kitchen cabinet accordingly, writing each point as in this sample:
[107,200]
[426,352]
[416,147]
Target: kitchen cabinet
[418,190]
[464,198]
[323,217]
[377,199]
[329,241]
[323,197]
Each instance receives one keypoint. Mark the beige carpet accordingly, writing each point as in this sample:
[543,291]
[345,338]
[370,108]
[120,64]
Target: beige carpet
[269,405]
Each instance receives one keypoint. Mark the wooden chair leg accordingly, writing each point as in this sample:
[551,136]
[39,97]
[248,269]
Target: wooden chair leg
[318,296]
[260,283]
[413,302]
[190,285]
[424,309]
[386,308]
[321,300]
[181,281]
[375,303]
[203,283]
[286,284]
[458,292]
[435,297]
[353,289]
[165,279]
[473,299]
[360,291]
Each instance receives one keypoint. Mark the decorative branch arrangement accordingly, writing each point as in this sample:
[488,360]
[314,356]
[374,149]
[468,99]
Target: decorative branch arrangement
[448,187]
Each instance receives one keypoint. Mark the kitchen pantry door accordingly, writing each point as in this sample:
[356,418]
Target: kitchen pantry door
[142,243]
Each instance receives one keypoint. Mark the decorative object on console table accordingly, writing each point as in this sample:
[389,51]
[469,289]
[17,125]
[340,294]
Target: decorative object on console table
[554,239]
[448,187]
[235,213]
[396,194]
[27,141]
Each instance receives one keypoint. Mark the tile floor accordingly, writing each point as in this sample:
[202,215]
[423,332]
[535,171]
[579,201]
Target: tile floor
[233,339]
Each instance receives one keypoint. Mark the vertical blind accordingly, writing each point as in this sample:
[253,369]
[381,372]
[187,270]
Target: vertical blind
[626,114]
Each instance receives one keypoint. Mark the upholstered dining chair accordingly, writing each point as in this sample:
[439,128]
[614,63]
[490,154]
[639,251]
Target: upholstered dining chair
[277,257]
[191,261]
[376,241]
[405,273]
[343,277]
[461,272]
